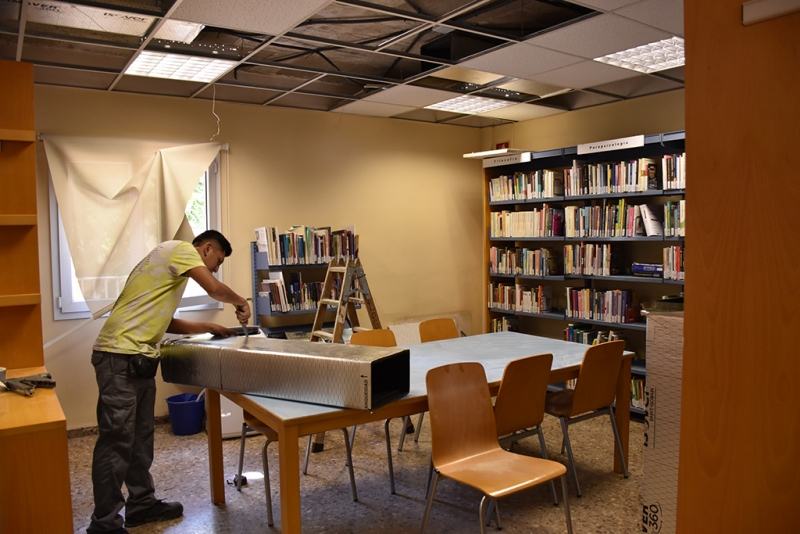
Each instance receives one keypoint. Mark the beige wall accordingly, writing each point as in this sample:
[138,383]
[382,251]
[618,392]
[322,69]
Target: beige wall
[415,202]
[417,205]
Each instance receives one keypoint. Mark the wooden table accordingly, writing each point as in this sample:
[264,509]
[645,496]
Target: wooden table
[292,420]
[34,461]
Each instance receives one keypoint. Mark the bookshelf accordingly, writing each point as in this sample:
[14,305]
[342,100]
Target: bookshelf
[33,430]
[542,241]
[293,308]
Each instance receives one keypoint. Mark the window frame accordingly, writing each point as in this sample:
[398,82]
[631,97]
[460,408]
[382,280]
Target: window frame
[66,307]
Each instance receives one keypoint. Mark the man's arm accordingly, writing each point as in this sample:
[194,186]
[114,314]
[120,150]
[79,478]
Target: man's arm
[219,291]
[179,326]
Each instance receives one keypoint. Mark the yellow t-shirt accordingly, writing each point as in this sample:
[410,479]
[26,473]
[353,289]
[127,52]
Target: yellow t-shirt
[151,295]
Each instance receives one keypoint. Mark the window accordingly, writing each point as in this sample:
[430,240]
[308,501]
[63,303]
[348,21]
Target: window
[202,212]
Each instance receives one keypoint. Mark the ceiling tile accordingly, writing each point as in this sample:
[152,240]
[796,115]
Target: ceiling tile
[375,109]
[604,5]
[462,74]
[408,95]
[578,99]
[638,86]
[585,74]
[663,14]
[522,112]
[271,17]
[532,88]
[598,36]
[521,60]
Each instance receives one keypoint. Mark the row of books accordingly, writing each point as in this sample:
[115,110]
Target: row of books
[675,218]
[617,219]
[630,176]
[505,324]
[637,393]
[589,259]
[306,245]
[590,335]
[674,171]
[673,263]
[524,261]
[294,295]
[547,221]
[611,306]
[520,298]
[523,186]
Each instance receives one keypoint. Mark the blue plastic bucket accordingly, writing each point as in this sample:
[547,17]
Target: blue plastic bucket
[185,414]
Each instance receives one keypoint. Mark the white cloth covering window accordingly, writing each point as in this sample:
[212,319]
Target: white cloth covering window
[119,198]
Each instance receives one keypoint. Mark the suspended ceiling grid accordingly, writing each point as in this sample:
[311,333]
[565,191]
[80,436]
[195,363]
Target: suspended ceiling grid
[387,58]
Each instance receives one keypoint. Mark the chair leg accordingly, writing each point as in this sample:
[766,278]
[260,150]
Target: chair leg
[350,465]
[241,457]
[618,442]
[352,437]
[419,427]
[566,503]
[431,491]
[267,488]
[308,453]
[430,477]
[571,458]
[543,446]
[485,503]
[494,508]
[389,454]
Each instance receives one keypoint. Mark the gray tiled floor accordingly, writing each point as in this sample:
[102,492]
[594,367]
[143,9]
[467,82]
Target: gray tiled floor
[610,503]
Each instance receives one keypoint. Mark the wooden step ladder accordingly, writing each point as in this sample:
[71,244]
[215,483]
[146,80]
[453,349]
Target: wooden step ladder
[353,289]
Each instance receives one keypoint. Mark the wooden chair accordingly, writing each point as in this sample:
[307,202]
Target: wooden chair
[251,422]
[464,441]
[437,329]
[431,330]
[519,405]
[378,338]
[374,338]
[593,395]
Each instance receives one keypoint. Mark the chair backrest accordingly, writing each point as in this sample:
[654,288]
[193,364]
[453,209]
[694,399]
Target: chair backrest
[461,415]
[520,400]
[374,338]
[597,380]
[437,329]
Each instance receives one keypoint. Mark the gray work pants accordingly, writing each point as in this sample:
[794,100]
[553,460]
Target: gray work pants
[124,449]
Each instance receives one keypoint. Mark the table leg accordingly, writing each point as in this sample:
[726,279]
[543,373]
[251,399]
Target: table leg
[289,459]
[623,411]
[215,469]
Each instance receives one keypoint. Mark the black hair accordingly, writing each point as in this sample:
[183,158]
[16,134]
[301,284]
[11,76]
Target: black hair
[218,238]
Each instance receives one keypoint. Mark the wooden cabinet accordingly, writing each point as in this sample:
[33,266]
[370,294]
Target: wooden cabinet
[35,492]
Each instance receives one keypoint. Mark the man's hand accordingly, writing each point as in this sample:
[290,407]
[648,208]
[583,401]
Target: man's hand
[220,331]
[243,313]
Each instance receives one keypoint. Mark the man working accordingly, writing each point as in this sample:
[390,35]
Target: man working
[125,359]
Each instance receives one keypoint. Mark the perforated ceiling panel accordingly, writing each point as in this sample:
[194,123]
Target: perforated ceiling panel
[271,17]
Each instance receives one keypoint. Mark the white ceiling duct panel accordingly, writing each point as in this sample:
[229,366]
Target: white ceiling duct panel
[179,30]
[88,18]
[270,17]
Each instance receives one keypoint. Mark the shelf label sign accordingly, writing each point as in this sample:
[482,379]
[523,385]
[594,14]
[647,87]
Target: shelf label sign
[612,144]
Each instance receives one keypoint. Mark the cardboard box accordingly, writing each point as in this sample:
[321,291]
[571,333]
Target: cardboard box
[662,421]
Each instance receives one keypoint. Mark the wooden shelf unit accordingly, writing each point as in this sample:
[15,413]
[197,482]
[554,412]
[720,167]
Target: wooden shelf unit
[33,430]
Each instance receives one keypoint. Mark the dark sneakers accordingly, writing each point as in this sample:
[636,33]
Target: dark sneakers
[160,511]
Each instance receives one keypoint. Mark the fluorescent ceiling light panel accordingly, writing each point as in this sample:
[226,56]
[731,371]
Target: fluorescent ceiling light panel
[88,18]
[470,105]
[179,67]
[179,30]
[653,57]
